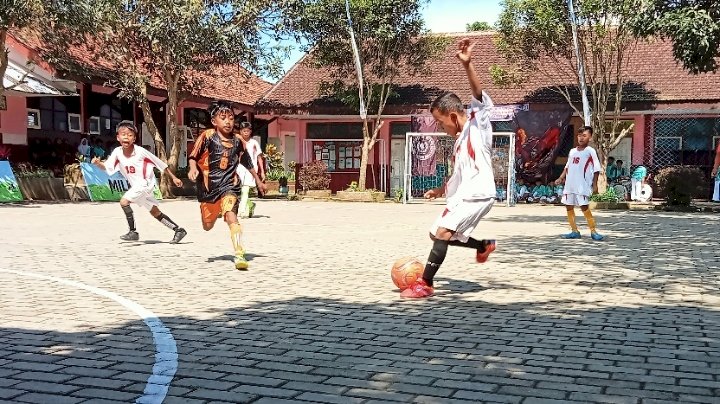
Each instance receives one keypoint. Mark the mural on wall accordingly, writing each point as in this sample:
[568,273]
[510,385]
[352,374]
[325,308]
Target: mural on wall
[9,188]
[538,137]
[102,187]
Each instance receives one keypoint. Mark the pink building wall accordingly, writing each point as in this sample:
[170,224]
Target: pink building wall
[13,121]
[283,127]
[638,141]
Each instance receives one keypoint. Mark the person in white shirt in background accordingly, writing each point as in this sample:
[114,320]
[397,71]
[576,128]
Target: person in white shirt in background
[582,171]
[246,179]
[470,190]
[136,165]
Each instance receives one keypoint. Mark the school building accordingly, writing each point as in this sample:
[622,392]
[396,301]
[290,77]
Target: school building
[676,115]
[48,110]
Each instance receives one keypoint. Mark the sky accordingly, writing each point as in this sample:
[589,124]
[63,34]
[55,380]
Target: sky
[441,16]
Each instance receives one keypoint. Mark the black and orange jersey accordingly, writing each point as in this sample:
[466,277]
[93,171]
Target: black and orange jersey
[217,160]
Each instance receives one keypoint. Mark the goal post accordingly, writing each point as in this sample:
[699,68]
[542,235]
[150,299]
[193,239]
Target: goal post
[428,164]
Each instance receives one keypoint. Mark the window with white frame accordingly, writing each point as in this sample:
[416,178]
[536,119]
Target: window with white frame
[94,125]
[33,119]
[74,123]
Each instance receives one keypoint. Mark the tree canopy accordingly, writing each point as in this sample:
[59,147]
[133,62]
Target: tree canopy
[536,37]
[693,26]
[478,26]
[391,38]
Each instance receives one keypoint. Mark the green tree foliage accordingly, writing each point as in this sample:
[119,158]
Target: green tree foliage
[16,14]
[391,39]
[693,26]
[535,37]
[478,26]
[172,43]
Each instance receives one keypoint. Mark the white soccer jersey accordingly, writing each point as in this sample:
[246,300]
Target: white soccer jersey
[137,169]
[472,177]
[254,151]
[582,166]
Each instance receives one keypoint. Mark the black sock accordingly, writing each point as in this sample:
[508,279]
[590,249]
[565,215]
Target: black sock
[471,243]
[162,218]
[129,216]
[435,259]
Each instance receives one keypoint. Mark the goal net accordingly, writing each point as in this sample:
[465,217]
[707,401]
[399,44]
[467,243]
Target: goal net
[428,164]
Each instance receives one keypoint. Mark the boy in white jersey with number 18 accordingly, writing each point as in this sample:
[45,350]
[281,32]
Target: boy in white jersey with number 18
[470,191]
[580,176]
[136,165]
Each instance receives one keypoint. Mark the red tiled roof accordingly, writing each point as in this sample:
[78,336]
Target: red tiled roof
[652,74]
[230,83]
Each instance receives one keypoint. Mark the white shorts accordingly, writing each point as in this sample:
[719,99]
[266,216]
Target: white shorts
[575,200]
[462,218]
[142,196]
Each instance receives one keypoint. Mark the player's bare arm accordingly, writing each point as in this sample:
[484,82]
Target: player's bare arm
[98,163]
[464,54]
[595,182]
[561,178]
[175,180]
[193,171]
[434,193]
[260,185]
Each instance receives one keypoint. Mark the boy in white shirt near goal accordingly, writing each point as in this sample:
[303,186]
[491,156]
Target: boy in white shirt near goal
[136,165]
[470,191]
[580,176]
[246,179]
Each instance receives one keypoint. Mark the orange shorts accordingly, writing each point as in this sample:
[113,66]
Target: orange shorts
[210,211]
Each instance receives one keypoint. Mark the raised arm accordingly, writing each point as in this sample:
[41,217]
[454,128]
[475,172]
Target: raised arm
[464,54]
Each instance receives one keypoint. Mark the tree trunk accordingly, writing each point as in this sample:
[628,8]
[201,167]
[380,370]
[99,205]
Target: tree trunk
[3,59]
[602,178]
[173,134]
[365,156]
[159,143]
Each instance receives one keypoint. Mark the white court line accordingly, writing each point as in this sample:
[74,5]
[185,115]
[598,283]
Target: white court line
[165,349]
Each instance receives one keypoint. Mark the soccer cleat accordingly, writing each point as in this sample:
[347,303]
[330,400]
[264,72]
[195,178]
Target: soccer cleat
[482,256]
[251,210]
[180,234]
[571,236]
[240,262]
[597,236]
[418,290]
[132,235]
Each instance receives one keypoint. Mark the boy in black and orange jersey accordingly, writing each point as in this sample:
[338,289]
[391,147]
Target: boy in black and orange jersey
[215,156]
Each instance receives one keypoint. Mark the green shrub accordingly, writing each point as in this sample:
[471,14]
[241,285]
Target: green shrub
[608,196]
[680,184]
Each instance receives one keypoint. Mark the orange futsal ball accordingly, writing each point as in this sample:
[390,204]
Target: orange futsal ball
[406,271]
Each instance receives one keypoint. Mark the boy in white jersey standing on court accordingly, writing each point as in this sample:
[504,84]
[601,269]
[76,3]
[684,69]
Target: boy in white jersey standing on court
[470,191]
[136,165]
[580,176]
[246,179]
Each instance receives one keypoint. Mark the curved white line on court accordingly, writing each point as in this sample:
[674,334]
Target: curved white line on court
[165,348]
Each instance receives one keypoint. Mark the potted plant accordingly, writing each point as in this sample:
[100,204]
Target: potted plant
[352,193]
[5,151]
[315,180]
[39,184]
[283,185]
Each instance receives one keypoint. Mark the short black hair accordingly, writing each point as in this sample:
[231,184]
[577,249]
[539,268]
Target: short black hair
[611,158]
[127,125]
[588,129]
[218,106]
[243,125]
[619,161]
[446,103]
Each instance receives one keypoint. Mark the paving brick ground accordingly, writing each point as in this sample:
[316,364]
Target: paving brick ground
[635,319]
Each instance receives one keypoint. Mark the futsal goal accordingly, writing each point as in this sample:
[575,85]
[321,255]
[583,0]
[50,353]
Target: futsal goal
[428,164]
